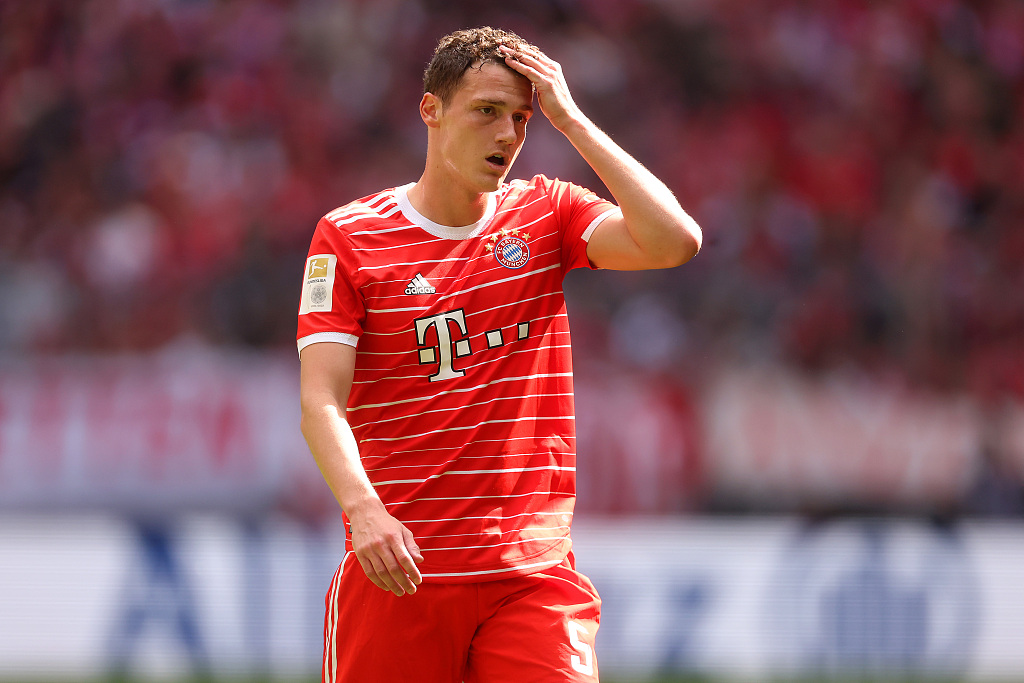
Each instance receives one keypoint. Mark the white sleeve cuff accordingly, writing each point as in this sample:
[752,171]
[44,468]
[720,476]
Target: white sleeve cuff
[597,221]
[336,337]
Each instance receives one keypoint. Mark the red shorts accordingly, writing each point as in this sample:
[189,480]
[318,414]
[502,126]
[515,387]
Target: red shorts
[537,628]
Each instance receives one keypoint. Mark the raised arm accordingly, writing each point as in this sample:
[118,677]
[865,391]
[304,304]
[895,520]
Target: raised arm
[385,548]
[654,230]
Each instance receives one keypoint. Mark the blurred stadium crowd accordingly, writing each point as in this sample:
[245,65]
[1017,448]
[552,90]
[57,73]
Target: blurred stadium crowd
[858,168]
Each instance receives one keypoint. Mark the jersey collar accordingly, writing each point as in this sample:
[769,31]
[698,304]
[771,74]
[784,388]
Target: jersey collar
[445,232]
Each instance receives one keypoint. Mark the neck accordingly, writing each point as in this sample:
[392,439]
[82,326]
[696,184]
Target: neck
[446,204]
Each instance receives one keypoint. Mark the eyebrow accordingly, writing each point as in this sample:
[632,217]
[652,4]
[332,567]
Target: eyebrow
[501,103]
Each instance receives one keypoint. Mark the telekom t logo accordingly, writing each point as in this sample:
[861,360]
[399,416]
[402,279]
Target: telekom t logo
[445,350]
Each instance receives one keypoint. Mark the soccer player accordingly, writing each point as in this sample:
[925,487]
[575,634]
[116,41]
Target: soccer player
[436,380]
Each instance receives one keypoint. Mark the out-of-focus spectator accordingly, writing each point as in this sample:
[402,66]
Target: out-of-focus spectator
[997,489]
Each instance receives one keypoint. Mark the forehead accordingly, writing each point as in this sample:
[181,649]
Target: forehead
[497,83]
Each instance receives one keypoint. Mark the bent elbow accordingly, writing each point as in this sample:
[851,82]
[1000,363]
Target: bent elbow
[696,235]
[690,239]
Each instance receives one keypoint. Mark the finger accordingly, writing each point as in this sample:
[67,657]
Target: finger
[402,577]
[371,573]
[414,548]
[399,576]
[527,51]
[512,59]
[403,570]
[406,559]
[399,570]
[517,57]
[386,576]
[535,76]
[535,59]
[542,75]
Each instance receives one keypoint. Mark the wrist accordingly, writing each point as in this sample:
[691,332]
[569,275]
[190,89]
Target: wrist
[574,125]
[363,505]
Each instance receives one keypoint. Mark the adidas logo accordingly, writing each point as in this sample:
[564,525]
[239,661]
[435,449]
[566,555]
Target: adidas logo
[419,285]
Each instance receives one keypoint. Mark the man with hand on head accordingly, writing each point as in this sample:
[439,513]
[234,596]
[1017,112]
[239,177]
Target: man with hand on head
[436,380]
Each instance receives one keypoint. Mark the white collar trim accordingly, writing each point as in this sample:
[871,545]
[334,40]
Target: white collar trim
[445,232]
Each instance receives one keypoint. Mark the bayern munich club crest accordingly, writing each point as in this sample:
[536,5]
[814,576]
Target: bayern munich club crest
[510,248]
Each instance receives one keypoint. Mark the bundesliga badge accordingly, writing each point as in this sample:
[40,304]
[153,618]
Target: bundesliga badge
[511,250]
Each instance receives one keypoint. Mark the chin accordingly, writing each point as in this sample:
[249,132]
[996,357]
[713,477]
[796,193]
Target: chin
[492,184]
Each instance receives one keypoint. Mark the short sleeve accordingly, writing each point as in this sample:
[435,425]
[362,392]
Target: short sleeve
[578,211]
[331,308]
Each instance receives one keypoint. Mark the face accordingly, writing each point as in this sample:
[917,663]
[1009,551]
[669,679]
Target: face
[478,135]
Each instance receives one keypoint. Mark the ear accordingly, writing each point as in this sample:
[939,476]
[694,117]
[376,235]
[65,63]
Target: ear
[430,110]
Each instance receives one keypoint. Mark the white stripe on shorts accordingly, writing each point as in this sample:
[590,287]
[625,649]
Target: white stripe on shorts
[331,632]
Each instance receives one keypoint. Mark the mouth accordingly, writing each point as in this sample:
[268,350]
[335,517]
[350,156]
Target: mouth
[497,161]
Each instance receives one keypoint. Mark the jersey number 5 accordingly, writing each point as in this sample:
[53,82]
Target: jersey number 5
[584,661]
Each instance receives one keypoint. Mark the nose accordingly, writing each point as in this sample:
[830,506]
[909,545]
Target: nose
[507,132]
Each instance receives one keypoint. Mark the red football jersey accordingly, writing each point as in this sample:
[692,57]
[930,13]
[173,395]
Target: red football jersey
[462,398]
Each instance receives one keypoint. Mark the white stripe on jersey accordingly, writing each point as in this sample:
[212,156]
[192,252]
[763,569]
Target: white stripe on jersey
[411,263]
[419,375]
[355,217]
[454,283]
[526,225]
[498,282]
[509,470]
[385,195]
[559,314]
[415,364]
[349,210]
[451,460]
[496,571]
[337,337]
[473,366]
[520,184]
[518,208]
[472,289]
[473,336]
[589,232]
[495,545]
[476,497]
[461,391]
[367,458]
[498,267]
[396,310]
[407,477]
[468,405]
[496,519]
[409,226]
[565,527]
[393,246]
[371,205]
[471,313]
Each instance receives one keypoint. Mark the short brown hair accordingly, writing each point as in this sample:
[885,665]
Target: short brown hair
[459,51]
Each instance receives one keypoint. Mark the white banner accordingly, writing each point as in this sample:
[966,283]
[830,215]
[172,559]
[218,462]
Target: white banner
[774,437]
[749,599]
[858,599]
[200,428]
[153,432]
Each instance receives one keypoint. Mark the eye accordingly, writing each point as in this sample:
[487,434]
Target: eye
[519,118]
[487,110]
